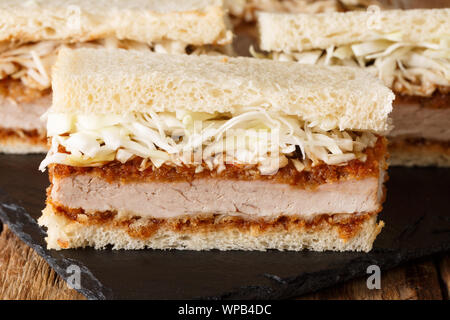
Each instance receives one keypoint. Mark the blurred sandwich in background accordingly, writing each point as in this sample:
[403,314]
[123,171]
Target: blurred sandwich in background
[32,32]
[409,50]
[245,10]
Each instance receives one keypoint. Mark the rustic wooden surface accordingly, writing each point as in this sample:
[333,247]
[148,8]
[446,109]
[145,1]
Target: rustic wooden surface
[25,275]
[419,280]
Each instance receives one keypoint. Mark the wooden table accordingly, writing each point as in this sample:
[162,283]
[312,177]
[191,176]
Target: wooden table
[25,275]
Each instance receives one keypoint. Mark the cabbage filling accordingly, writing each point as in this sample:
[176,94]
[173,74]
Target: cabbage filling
[252,136]
[407,68]
[31,62]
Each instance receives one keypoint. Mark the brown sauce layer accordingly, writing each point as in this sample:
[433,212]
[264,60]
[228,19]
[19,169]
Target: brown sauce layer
[31,136]
[439,100]
[143,228]
[16,90]
[314,176]
[424,144]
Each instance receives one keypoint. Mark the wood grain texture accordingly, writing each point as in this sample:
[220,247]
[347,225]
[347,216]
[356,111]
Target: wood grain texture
[444,270]
[413,281]
[25,275]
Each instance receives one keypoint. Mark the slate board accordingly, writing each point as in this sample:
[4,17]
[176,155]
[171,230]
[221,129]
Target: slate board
[416,213]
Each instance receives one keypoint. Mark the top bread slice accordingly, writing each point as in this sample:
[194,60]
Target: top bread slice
[196,22]
[298,32]
[104,81]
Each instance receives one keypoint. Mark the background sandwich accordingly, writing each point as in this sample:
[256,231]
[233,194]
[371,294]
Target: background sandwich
[33,32]
[190,152]
[245,10]
[409,50]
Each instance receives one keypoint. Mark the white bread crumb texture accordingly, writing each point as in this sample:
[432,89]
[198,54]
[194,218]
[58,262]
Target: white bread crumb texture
[197,22]
[299,32]
[64,233]
[104,81]
[16,145]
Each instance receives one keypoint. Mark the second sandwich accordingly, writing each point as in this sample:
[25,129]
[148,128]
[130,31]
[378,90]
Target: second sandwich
[32,33]
[409,50]
[190,152]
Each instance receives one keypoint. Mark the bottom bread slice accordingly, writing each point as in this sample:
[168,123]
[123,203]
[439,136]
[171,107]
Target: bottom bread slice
[23,143]
[339,232]
[419,152]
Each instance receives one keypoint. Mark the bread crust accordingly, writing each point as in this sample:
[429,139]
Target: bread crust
[22,141]
[116,81]
[419,152]
[194,22]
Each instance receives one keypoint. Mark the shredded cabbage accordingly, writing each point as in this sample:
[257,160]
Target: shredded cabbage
[31,62]
[254,135]
[414,69]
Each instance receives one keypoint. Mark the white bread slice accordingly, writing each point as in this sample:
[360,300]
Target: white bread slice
[116,81]
[16,145]
[64,233]
[298,32]
[196,22]
[410,155]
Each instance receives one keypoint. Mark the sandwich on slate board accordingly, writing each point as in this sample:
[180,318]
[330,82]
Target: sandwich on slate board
[408,50]
[32,32]
[209,152]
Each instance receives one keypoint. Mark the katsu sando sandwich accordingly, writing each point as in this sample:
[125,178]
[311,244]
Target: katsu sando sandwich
[32,32]
[408,50]
[200,152]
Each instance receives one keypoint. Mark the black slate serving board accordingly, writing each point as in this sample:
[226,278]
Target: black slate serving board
[416,213]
